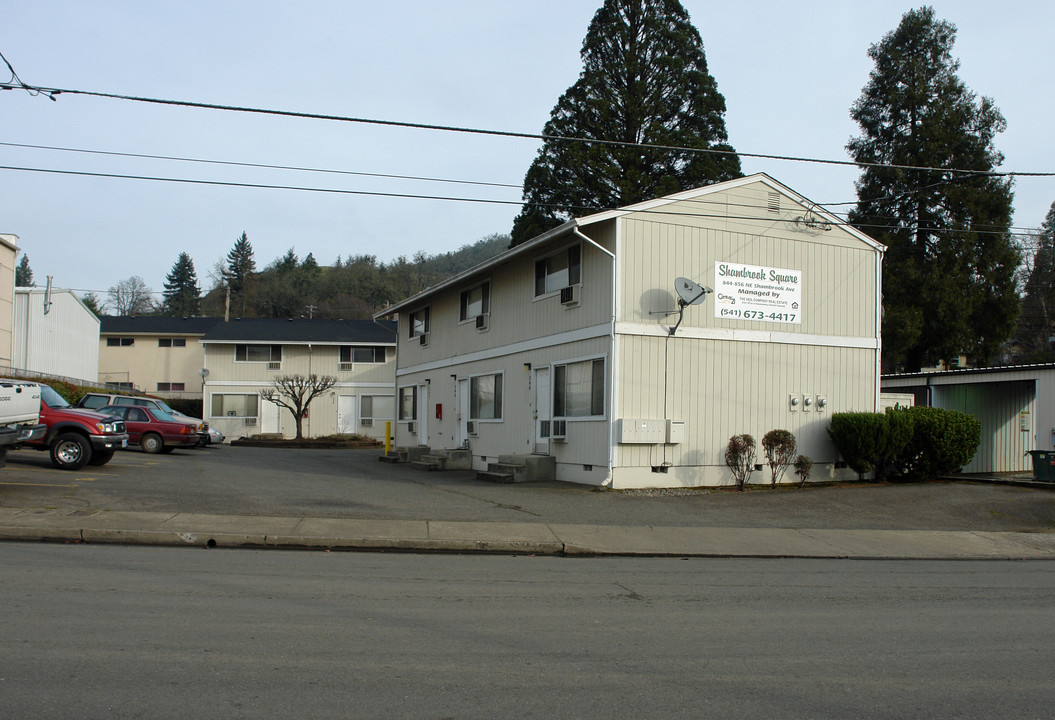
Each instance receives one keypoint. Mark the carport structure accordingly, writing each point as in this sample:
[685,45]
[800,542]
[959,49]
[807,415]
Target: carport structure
[1016,405]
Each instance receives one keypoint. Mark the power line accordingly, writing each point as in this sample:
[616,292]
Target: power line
[53,92]
[257,165]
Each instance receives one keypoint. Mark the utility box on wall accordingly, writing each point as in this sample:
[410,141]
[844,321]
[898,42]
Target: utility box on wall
[642,432]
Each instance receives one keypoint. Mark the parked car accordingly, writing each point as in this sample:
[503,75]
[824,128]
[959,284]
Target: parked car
[153,430]
[19,415]
[97,400]
[74,437]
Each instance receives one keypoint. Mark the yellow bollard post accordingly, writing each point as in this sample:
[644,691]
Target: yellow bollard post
[388,436]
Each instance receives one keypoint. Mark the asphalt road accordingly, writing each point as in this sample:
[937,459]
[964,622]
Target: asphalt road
[353,484]
[125,632]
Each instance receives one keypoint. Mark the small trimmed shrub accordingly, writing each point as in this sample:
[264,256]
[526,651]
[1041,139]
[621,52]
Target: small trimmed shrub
[803,468]
[740,458]
[779,448]
[861,439]
[943,441]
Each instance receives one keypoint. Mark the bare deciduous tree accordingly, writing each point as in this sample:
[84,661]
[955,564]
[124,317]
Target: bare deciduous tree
[295,393]
[130,297]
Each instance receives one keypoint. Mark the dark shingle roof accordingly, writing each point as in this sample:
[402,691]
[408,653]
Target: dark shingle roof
[155,325]
[266,330]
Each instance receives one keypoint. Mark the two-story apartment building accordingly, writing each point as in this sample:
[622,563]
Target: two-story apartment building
[243,357]
[153,354]
[587,344]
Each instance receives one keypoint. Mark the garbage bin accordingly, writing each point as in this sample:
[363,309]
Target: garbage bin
[1043,465]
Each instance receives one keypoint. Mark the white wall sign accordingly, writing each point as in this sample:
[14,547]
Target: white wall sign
[752,292]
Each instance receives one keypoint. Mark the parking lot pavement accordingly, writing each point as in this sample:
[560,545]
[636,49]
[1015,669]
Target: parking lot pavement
[341,499]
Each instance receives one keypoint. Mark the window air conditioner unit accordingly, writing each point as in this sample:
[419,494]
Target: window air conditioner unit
[569,295]
[366,422]
[474,428]
[274,366]
[424,339]
[344,367]
[481,322]
[249,422]
[558,430]
[412,428]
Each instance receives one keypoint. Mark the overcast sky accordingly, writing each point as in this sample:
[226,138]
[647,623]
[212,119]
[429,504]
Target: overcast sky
[789,73]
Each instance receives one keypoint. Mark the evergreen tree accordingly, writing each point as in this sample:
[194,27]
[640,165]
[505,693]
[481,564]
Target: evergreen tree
[182,293]
[23,273]
[949,271]
[92,302]
[644,80]
[239,270]
[1037,322]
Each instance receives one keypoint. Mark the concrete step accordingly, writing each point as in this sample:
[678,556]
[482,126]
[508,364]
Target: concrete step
[425,465]
[495,477]
[393,457]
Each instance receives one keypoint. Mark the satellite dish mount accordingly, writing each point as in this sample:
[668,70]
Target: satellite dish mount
[689,293]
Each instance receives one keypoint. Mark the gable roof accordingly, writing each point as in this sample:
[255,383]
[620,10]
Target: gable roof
[573,225]
[300,331]
[155,325]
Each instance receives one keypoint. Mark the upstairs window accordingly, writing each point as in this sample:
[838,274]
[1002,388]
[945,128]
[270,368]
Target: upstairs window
[418,321]
[258,353]
[558,271]
[172,342]
[475,301]
[362,354]
[120,342]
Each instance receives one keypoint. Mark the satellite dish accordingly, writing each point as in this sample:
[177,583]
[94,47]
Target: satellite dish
[204,372]
[690,293]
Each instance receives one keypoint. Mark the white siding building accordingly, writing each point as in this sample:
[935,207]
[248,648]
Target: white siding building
[61,339]
[563,346]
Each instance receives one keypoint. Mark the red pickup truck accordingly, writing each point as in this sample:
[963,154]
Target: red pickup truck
[74,437]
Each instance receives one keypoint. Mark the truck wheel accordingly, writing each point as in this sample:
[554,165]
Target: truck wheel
[151,443]
[70,451]
[101,458]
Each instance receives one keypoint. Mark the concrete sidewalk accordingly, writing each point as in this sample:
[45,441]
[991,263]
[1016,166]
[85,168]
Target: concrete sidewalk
[245,531]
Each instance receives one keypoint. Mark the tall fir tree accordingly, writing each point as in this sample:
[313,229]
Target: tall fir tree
[644,81]
[1036,325]
[949,271]
[23,273]
[239,270]
[182,292]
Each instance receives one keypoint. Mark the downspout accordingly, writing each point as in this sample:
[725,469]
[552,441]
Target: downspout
[879,329]
[614,356]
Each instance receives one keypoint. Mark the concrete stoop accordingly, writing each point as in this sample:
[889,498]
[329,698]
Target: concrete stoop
[520,469]
[443,460]
[405,454]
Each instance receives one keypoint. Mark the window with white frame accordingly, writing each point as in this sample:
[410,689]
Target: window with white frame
[485,397]
[258,353]
[171,387]
[475,301]
[418,322]
[362,354]
[120,342]
[172,342]
[234,405]
[558,271]
[408,403]
[377,408]
[578,389]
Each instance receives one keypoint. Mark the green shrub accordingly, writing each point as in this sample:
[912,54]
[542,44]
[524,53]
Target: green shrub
[803,468]
[861,439]
[900,424]
[779,449]
[740,458]
[943,441]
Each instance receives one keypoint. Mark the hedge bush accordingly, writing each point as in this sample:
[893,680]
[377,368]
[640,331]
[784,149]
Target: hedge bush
[942,442]
[861,439]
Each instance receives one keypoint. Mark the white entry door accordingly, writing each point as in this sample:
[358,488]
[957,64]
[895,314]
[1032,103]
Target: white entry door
[346,420]
[543,411]
[270,417]
[462,402]
[423,414]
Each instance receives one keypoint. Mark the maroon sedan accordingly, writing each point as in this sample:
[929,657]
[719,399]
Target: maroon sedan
[155,431]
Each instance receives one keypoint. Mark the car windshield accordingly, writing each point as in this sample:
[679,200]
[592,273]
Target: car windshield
[164,407]
[52,398]
[164,416]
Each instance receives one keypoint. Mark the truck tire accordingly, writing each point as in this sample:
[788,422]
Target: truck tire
[70,451]
[151,443]
[101,458]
